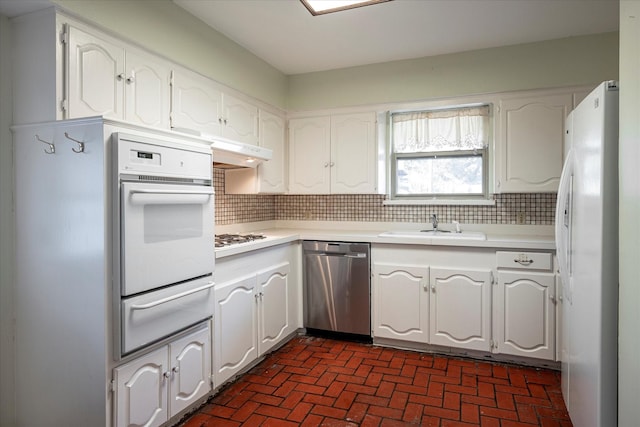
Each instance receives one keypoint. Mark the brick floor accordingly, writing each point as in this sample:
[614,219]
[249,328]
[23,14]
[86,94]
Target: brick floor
[322,382]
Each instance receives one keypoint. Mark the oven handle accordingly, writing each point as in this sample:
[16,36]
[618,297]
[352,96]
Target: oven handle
[204,192]
[176,197]
[171,298]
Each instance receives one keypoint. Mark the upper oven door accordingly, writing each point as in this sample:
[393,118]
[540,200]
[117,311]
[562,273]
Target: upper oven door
[166,234]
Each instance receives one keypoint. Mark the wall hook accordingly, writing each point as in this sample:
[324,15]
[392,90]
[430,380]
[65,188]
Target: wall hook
[52,147]
[80,144]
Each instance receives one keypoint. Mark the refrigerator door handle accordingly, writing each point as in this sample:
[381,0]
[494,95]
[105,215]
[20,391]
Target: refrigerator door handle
[563,223]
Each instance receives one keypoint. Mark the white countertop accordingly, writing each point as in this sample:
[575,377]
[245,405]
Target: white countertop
[495,239]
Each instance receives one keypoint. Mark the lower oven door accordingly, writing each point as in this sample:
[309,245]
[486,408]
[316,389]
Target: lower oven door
[156,315]
[166,234]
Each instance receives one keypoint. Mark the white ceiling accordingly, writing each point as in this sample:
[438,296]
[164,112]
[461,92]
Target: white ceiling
[284,34]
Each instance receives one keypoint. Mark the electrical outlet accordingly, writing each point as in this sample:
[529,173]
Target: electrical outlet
[520,217]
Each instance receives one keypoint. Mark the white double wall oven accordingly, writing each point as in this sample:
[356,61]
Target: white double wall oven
[163,240]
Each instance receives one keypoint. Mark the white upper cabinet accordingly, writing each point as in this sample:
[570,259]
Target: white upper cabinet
[309,155]
[95,76]
[239,120]
[270,176]
[199,104]
[196,103]
[147,91]
[353,153]
[105,79]
[333,154]
[529,143]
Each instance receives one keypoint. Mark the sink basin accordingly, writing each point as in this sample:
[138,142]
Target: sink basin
[433,235]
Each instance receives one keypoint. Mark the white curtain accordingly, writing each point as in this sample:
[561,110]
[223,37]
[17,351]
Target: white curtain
[440,130]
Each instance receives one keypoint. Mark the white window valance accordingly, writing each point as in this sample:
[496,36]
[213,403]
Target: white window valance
[464,128]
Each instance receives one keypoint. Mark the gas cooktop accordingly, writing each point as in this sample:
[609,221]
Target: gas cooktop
[223,240]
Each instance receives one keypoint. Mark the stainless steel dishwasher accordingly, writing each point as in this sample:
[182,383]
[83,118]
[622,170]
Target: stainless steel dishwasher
[337,294]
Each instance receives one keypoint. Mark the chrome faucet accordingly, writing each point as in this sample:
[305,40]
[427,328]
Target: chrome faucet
[434,222]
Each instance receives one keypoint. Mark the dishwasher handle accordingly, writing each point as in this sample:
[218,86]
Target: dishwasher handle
[356,255]
[340,254]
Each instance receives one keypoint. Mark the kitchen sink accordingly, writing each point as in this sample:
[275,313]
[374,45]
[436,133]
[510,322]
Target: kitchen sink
[435,235]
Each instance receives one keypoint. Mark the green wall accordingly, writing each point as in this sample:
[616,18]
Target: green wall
[562,62]
[165,28]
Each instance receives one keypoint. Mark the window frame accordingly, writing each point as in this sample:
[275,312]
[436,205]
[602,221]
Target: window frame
[484,152]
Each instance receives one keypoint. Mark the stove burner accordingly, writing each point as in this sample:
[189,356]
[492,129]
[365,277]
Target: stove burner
[223,240]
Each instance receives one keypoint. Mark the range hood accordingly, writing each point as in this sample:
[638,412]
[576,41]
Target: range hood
[231,154]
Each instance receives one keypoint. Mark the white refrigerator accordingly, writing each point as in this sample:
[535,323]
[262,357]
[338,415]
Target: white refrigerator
[587,250]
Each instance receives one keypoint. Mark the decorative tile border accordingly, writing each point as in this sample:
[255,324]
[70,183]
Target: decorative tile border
[539,208]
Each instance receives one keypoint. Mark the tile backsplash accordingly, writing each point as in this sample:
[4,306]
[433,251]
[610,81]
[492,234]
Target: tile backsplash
[538,208]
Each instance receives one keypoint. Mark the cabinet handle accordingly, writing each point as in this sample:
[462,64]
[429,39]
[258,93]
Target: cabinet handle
[131,79]
[167,375]
[220,120]
[332,164]
[175,369]
[120,76]
[225,121]
[433,289]
[553,299]
[326,164]
[523,262]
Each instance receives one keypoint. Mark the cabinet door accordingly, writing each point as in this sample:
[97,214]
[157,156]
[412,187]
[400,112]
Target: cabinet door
[95,76]
[460,308]
[525,314]
[240,120]
[271,174]
[190,359]
[196,103]
[147,90]
[236,332]
[309,155]
[141,391]
[529,148]
[353,153]
[274,314]
[401,302]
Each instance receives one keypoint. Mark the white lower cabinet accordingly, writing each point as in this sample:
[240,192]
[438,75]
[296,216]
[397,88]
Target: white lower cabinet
[236,334]
[524,308]
[401,302]
[460,308]
[153,388]
[503,302]
[253,314]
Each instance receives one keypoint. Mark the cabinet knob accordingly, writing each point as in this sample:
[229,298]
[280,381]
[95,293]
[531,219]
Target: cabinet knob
[331,164]
[120,76]
[167,375]
[326,164]
[131,79]
[224,121]
[220,120]
[175,369]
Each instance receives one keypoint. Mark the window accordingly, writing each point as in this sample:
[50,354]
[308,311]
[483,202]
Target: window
[440,153]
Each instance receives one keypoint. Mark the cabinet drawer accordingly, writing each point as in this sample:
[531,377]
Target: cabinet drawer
[524,260]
